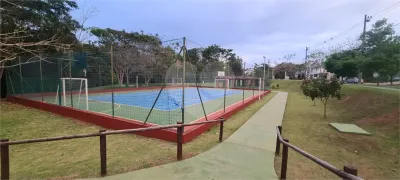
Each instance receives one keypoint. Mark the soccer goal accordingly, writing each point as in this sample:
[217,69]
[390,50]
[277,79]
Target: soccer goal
[79,88]
[221,83]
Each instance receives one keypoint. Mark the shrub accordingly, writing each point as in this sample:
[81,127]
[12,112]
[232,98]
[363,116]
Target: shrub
[321,89]
[277,85]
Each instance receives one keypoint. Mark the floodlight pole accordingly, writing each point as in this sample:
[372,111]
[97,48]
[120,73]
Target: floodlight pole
[183,80]
[264,75]
[112,79]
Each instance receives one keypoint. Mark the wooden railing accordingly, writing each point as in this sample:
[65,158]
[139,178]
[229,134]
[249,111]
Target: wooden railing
[348,172]
[5,143]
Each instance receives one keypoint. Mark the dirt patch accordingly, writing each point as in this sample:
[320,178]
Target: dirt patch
[386,119]
[345,99]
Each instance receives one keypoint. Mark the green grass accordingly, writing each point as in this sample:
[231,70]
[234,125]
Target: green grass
[160,117]
[79,158]
[374,110]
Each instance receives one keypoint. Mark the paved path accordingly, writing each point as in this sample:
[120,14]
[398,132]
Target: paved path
[246,154]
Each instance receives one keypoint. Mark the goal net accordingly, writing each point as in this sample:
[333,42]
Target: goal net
[75,93]
[221,83]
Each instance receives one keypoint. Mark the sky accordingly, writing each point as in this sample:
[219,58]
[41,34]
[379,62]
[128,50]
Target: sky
[252,28]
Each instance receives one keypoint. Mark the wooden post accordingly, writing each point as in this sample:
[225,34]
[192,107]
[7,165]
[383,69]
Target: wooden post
[179,133]
[103,153]
[350,169]
[278,144]
[5,160]
[221,130]
[284,160]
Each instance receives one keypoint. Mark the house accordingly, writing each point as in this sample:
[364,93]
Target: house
[315,69]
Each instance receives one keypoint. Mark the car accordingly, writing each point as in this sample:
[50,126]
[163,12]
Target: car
[352,80]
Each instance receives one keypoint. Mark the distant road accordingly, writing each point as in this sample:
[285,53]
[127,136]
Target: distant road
[376,87]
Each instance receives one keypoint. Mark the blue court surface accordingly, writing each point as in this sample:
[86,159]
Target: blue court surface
[170,99]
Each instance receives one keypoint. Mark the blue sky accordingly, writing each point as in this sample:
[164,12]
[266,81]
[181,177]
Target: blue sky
[253,28]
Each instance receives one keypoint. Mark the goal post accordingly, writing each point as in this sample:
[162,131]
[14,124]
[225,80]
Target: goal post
[221,83]
[83,90]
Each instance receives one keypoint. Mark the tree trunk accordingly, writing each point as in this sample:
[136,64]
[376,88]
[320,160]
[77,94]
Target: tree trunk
[1,71]
[121,78]
[325,110]
[127,78]
[148,80]
[314,102]
[391,80]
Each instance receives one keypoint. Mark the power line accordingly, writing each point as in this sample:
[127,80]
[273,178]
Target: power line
[380,12]
[195,43]
[388,8]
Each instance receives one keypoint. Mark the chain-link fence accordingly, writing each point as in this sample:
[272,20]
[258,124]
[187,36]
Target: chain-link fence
[159,83]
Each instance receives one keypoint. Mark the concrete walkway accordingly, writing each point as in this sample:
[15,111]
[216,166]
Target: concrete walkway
[246,154]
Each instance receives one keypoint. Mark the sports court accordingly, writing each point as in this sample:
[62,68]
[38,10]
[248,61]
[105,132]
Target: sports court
[136,104]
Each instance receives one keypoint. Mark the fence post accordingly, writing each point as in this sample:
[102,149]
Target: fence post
[41,79]
[284,160]
[350,169]
[221,130]
[278,144]
[20,75]
[5,160]
[179,133]
[112,80]
[103,153]
[101,83]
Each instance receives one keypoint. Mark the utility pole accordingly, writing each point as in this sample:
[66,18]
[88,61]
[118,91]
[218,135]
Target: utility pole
[366,19]
[269,61]
[264,75]
[305,64]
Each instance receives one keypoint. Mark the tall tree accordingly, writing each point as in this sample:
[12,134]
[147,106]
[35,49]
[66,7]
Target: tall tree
[344,63]
[382,51]
[133,51]
[33,27]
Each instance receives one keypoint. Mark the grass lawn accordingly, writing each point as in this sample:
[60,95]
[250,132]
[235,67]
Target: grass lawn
[374,110]
[79,158]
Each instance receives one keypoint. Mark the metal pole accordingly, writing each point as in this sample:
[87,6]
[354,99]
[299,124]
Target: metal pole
[225,97]
[244,75]
[41,79]
[112,80]
[70,77]
[305,64]
[100,77]
[59,84]
[267,73]
[183,80]
[264,75]
[20,75]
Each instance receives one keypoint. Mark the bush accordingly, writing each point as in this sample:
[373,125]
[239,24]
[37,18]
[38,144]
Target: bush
[277,85]
[321,89]
[273,87]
